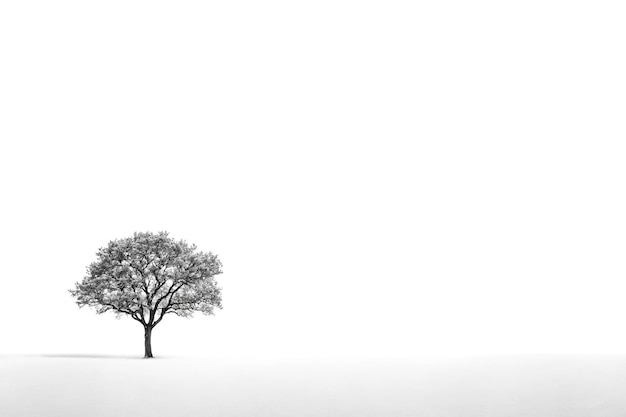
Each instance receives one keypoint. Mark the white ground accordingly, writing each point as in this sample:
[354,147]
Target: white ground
[542,386]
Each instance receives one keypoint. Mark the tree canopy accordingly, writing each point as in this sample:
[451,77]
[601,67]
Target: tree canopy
[148,276]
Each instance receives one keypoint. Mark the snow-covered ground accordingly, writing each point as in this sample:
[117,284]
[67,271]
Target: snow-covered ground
[92,385]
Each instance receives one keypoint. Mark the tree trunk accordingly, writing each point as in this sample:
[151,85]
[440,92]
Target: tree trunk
[148,342]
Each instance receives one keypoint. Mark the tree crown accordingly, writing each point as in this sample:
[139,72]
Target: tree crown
[148,276]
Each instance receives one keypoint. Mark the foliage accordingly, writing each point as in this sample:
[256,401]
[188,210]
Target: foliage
[148,276]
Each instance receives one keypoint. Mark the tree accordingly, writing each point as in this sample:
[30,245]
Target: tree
[148,276]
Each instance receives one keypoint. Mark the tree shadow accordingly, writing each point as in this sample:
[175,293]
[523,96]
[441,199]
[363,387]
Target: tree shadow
[88,356]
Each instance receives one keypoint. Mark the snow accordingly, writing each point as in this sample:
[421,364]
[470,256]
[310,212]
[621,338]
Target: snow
[101,385]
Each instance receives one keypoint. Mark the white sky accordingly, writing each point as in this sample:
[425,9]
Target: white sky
[377,177]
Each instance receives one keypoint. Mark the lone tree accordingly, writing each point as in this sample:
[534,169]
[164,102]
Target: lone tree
[148,276]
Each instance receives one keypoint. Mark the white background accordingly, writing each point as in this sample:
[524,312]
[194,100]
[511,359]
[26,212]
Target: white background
[379,178]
